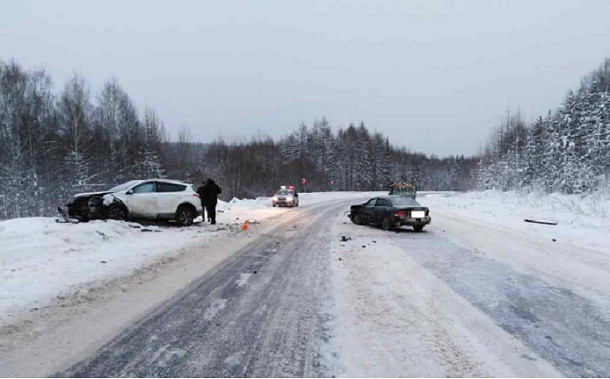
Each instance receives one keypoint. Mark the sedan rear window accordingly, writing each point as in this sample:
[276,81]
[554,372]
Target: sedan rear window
[405,202]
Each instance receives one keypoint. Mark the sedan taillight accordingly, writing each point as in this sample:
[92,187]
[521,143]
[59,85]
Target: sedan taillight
[401,214]
[196,195]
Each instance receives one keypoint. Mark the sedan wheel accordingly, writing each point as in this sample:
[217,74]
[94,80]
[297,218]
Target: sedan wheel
[386,224]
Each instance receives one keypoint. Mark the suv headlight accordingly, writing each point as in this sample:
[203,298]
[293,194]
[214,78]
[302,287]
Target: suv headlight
[274,198]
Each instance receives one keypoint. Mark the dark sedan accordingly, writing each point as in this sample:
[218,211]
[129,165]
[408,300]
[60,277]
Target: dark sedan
[391,211]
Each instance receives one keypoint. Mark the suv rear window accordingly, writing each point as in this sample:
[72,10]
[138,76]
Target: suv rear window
[169,187]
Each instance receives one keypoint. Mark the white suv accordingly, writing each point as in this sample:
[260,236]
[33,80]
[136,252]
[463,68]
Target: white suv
[158,199]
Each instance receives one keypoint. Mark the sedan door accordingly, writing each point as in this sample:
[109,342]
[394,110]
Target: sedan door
[368,211]
[142,200]
[382,208]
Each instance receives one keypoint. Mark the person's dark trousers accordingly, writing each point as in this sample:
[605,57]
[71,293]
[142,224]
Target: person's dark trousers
[211,209]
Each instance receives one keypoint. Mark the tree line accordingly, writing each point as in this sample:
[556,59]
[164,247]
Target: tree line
[348,159]
[53,145]
[566,151]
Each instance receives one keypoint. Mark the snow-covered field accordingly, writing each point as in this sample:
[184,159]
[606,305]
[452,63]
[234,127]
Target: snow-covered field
[582,220]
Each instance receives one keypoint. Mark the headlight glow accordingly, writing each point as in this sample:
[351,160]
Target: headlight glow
[289,198]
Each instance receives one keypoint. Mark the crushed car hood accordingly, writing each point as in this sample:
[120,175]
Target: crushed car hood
[87,194]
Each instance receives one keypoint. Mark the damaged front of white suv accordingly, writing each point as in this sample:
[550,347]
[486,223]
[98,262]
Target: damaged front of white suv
[97,205]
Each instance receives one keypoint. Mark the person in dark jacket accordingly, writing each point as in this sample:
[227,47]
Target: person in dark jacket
[208,193]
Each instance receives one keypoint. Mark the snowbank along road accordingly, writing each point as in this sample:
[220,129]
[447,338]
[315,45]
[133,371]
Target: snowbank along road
[298,299]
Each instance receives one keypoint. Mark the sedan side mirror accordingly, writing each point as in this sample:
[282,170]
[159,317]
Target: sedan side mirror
[129,192]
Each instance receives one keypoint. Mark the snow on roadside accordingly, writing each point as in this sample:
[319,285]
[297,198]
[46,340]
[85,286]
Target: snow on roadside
[41,260]
[582,220]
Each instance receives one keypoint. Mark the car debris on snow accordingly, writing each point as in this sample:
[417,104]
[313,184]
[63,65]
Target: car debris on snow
[156,230]
[544,222]
[63,217]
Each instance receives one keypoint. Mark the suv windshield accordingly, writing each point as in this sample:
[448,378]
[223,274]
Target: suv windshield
[124,186]
[284,192]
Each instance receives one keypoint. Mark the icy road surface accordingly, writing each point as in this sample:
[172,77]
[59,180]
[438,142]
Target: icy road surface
[464,298]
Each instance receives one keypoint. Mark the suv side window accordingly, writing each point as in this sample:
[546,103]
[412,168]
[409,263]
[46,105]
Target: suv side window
[169,187]
[383,203]
[144,188]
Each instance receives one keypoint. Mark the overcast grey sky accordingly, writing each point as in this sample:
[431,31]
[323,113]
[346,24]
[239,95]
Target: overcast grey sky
[434,76]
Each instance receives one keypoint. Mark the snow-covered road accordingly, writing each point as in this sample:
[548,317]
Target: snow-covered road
[468,297]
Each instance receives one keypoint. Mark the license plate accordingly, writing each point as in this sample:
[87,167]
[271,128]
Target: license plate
[418,214]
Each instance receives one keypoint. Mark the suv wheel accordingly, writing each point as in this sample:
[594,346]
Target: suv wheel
[117,212]
[184,216]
